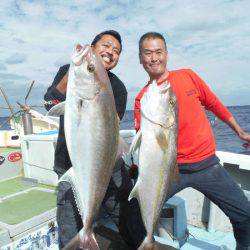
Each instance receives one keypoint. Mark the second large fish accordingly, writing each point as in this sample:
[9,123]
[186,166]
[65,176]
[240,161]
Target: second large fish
[157,143]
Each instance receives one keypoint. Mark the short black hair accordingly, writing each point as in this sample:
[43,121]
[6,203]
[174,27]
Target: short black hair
[113,33]
[151,35]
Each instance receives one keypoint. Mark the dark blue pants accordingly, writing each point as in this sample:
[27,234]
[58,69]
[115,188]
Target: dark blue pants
[217,185]
[68,218]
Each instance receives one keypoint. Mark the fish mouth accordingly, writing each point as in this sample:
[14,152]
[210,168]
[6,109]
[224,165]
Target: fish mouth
[82,53]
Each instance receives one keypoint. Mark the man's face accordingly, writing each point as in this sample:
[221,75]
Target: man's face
[108,48]
[153,56]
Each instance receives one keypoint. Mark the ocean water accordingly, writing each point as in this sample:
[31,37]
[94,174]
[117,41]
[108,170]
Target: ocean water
[226,139]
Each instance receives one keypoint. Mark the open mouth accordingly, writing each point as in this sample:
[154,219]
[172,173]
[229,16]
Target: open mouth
[106,58]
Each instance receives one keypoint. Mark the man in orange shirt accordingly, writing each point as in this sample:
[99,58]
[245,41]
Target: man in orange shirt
[199,166]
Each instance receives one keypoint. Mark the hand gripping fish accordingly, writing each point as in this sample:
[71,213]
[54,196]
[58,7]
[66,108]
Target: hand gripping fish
[92,134]
[157,143]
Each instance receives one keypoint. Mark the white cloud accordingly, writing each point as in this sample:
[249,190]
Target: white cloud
[16,58]
[211,37]
[2,67]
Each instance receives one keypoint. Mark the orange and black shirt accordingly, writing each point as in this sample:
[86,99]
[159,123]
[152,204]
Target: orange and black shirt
[195,136]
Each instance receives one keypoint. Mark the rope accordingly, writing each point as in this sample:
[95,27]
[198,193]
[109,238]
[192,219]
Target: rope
[38,166]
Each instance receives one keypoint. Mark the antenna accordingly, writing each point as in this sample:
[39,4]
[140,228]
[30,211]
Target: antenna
[26,97]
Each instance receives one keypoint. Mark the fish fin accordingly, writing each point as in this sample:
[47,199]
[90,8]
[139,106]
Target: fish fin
[147,244]
[153,245]
[161,138]
[136,142]
[69,176]
[133,193]
[134,145]
[123,148]
[57,110]
[88,240]
[83,240]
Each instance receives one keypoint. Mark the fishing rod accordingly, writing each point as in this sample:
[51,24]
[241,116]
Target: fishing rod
[26,97]
[9,106]
[4,108]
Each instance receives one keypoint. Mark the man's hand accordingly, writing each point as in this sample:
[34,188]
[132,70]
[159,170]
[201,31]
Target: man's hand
[246,145]
[239,131]
[133,171]
[246,137]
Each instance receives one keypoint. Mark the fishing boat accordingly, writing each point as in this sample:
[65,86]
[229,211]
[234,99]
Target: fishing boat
[26,120]
[28,203]
[40,123]
[27,207]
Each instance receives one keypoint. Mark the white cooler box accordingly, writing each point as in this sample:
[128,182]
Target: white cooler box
[38,156]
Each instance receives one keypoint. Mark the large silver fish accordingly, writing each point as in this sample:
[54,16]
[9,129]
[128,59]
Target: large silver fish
[92,133]
[157,143]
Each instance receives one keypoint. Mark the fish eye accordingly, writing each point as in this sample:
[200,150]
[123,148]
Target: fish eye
[171,102]
[91,67]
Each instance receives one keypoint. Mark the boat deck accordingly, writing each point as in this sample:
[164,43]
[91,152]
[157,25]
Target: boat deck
[199,239]
[10,163]
[24,204]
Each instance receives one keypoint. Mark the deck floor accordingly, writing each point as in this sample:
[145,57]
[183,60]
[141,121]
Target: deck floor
[25,206]
[13,186]
[30,202]
[109,239]
[21,200]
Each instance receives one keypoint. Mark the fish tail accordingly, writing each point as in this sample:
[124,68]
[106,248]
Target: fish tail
[88,240]
[134,193]
[147,244]
[69,177]
[83,240]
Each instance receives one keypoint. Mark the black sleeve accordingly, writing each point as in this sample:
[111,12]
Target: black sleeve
[53,96]
[120,94]
[120,103]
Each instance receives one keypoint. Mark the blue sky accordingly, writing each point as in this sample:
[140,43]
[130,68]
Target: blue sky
[211,37]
